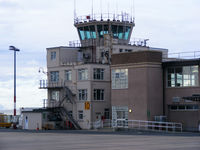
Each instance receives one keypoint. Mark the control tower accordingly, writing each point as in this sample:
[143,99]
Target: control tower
[99,32]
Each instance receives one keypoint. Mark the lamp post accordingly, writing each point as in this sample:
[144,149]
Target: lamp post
[12,48]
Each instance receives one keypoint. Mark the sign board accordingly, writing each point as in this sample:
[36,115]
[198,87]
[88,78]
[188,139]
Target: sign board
[87,105]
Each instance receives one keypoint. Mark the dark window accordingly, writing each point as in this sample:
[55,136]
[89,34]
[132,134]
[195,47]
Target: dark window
[82,94]
[100,30]
[106,113]
[80,114]
[114,31]
[98,94]
[70,113]
[174,107]
[98,74]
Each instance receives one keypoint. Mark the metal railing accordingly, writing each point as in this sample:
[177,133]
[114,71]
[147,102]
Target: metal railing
[182,55]
[44,84]
[148,125]
[92,42]
[104,17]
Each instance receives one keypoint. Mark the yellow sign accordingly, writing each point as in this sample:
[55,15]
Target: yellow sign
[87,105]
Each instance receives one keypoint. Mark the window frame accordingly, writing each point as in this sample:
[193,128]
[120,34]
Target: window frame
[82,77]
[98,73]
[53,55]
[54,76]
[68,75]
[184,107]
[80,114]
[82,94]
[119,78]
[99,94]
[55,95]
[183,79]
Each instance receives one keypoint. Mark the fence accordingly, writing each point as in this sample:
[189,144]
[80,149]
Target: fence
[148,125]
[183,55]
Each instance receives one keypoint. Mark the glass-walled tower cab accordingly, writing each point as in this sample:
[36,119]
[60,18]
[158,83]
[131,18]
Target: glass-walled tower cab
[99,32]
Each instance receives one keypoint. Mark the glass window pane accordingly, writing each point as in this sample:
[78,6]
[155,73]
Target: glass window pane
[81,32]
[93,32]
[105,29]
[181,107]
[120,32]
[87,32]
[114,31]
[100,30]
[127,32]
[174,107]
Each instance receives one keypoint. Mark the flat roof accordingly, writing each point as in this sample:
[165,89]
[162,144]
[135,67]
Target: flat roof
[181,62]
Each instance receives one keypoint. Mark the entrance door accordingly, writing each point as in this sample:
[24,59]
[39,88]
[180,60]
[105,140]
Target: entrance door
[26,123]
[120,116]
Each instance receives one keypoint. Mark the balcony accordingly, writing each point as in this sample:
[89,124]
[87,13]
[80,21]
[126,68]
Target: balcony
[45,84]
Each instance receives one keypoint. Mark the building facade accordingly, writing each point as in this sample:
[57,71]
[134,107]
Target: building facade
[108,77]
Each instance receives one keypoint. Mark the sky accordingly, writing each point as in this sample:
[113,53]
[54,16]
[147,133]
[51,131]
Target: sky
[33,26]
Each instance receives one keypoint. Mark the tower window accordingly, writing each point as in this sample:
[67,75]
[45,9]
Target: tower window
[81,32]
[53,55]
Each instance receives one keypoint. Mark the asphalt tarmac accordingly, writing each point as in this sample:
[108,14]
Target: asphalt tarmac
[97,140]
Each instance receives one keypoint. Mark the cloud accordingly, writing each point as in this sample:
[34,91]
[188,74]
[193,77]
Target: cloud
[32,26]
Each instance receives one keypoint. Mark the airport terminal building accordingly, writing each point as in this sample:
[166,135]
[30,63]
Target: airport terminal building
[108,77]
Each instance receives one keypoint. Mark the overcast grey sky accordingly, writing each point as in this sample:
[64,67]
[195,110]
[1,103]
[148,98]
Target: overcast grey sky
[32,26]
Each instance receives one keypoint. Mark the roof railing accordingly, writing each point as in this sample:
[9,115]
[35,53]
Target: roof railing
[182,55]
[134,42]
[105,17]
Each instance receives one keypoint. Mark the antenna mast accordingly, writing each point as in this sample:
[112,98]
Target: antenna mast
[92,9]
[133,11]
[74,9]
[101,7]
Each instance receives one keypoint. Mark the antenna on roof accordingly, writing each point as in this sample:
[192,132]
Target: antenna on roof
[101,7]
[74,9]
[116,7]
[133,11]
[108,9]
[92,9]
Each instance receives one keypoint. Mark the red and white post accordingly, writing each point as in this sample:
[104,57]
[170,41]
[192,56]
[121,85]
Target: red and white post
[15,50]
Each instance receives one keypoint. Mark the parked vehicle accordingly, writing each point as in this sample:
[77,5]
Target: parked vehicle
[5,121]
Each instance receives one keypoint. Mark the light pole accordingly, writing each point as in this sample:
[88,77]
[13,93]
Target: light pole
[12,48]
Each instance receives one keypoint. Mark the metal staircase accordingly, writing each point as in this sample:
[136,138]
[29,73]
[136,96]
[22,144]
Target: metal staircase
[63,112]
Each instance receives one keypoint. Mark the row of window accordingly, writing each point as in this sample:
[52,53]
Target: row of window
[184,107]
[183,76]
[119,32]
[82,95]
[98,94]
[82,75]
[106,114]
[176,77]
